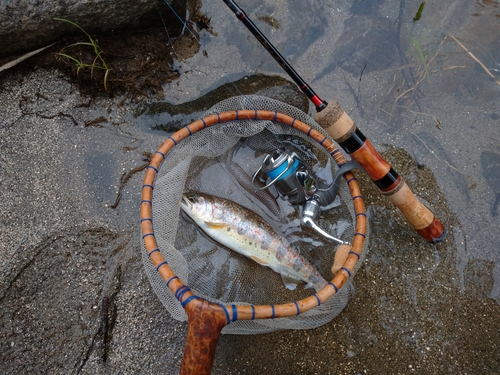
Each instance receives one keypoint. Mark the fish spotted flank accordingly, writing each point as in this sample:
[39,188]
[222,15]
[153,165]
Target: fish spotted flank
[245,232]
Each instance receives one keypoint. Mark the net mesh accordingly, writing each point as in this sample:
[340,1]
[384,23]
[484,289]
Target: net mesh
[220,160]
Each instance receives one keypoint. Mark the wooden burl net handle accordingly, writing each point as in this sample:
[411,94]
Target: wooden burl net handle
[343,130]
[206,319]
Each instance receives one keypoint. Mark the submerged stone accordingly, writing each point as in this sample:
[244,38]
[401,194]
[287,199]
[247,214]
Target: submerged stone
[171,117]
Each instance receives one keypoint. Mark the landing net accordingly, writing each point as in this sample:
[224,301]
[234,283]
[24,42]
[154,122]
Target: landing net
[220,161]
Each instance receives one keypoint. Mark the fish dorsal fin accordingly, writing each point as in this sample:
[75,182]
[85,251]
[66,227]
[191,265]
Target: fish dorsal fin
[212,225]
[290,282]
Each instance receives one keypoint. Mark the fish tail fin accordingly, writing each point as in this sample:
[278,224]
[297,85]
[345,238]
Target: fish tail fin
[320,285]
[317,285]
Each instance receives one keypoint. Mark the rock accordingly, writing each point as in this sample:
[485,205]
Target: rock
[170,118]
[26,25]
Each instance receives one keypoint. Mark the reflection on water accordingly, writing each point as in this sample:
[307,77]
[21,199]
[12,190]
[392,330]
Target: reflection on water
[422,88]
[423,143]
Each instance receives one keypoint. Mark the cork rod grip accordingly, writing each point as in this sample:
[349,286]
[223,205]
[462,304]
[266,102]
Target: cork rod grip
[343,130]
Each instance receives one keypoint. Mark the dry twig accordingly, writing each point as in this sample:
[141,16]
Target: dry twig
[476,59]
[10,64]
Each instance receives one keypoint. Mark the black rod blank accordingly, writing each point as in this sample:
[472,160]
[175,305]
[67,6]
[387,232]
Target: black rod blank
[241,15]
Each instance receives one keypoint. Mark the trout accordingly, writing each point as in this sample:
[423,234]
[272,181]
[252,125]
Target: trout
[243,231]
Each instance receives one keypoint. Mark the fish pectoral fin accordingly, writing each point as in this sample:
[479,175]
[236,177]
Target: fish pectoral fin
[290,282]
[262,262]
[213,225]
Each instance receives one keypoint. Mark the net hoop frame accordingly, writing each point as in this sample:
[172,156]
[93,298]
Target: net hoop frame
[235,312]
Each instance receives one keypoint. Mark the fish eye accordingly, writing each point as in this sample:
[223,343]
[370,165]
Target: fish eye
[192,198]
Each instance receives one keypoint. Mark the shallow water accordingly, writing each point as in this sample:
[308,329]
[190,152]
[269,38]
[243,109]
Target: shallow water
[433,110]
[448,117]
[442,108]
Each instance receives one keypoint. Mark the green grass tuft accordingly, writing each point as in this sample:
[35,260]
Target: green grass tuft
[98,61]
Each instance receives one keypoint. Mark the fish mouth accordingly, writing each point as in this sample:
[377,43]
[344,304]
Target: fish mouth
[189,202]
[185,203]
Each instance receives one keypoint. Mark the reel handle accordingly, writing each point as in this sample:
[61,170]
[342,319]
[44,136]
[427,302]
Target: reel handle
[310,212]
[345,132]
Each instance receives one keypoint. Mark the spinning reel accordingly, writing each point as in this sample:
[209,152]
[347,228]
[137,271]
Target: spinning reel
[296,184]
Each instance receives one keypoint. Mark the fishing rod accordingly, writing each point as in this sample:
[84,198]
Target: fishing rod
[320,104]
[344,131]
